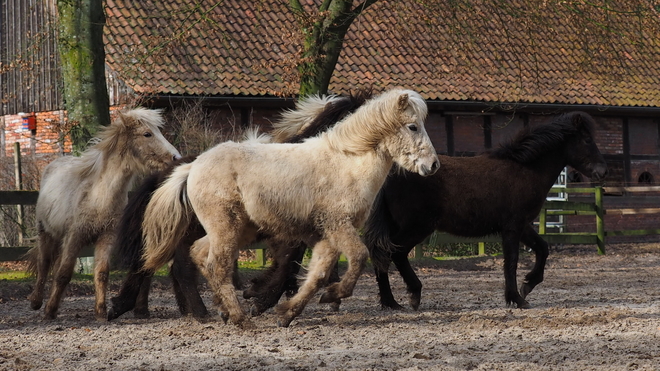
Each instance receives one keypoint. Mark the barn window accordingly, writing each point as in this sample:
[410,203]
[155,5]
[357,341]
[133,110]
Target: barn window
[645,178]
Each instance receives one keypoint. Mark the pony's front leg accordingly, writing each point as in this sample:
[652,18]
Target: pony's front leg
[101,273]
[532,240]
[324,255]
[42,260]
[357,254]
[511,247]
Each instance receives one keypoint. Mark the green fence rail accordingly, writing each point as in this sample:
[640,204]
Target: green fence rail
[594,208]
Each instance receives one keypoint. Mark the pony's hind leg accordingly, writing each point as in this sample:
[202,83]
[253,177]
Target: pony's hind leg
[215,256]
[184,275]
[41,260]
[63,272]
[413,284]
[267,289]
[324,255]
[532,240]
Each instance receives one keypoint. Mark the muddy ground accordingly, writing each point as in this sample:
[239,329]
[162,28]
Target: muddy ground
[591,313]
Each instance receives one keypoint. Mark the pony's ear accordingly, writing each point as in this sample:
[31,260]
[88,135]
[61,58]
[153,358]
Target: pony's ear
[402,103]
[582,123]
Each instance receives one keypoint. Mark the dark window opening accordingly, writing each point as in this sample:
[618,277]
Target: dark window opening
[645,178]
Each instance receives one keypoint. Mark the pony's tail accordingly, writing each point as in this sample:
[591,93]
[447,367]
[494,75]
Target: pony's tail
[166,219]
[31,257]
[376,234]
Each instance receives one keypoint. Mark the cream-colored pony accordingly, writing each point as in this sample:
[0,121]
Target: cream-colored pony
[318,191]
[81,199]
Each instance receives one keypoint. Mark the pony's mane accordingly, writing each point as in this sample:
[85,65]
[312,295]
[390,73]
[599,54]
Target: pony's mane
[376,118]
[291,122]
[333,112]
[532,142]
[108,140]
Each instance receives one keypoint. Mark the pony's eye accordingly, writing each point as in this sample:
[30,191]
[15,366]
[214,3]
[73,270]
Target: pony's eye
[412,127]
[147,134]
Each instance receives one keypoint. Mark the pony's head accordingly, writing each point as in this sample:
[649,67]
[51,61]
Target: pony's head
[581,151]
[405,136]
[136,134]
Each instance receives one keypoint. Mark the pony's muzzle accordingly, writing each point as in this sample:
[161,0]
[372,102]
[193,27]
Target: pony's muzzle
[425,170]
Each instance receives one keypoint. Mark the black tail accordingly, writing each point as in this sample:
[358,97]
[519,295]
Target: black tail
[129,246]
[377,233]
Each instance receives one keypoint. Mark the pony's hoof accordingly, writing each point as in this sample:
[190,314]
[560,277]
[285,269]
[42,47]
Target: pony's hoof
[256,310]
[50,316]
[334,306]
[328,297]
[284,322]
[391,306]
[224,317]
[414,301]
[113,315]
[246,324]
[248,293]
[141,314]
[35,305]
[524,305]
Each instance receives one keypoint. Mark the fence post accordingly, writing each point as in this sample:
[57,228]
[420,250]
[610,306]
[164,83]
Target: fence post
[600,220]
[260,255]
[542,219]
[18,175]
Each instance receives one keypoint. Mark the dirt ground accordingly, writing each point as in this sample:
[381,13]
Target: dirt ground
[591,313]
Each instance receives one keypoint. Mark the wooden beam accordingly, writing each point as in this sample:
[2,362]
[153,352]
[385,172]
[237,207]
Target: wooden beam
[18,197]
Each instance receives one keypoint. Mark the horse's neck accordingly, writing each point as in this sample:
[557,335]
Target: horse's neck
[551,165]
[113,182]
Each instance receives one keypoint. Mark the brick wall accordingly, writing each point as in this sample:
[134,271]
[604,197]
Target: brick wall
[42,141]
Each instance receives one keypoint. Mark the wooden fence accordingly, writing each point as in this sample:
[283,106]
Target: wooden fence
[594,208]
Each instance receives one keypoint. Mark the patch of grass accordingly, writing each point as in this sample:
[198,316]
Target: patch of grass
[17,276]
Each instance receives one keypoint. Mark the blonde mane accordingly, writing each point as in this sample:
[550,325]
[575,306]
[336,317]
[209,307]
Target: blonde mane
[108,140]
[356,134]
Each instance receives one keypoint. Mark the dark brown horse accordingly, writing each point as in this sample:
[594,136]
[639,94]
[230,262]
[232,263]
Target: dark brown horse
[265,290]
[500,192]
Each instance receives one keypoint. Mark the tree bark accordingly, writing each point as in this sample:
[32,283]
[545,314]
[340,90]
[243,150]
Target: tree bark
[82,58]
[323,38]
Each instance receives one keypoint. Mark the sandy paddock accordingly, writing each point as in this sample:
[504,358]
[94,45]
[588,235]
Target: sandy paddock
[591,313]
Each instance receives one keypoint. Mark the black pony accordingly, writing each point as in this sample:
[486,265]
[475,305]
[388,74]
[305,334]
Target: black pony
[500,192]
[265,291]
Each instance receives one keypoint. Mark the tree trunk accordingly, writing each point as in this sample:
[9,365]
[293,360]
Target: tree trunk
[323,36]
[83,68]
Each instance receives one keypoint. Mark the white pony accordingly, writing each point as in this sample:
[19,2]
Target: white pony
[318,191]
[81,199]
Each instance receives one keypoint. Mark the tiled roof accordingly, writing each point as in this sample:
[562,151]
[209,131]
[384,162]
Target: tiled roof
[246,48]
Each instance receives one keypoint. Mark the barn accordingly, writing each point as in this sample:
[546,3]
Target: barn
[484,72]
